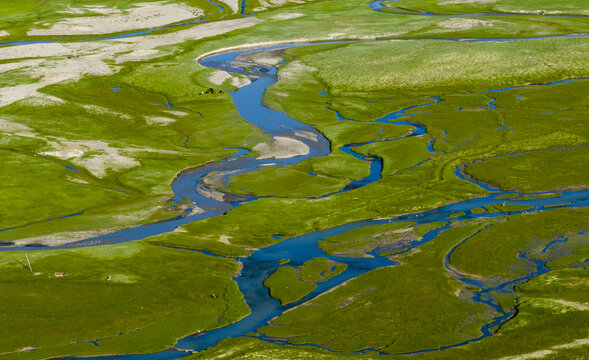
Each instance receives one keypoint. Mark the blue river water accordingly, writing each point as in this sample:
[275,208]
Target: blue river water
[263,262]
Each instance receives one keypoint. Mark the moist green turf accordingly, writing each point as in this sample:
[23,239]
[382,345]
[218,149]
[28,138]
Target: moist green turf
[385,309]
[398,155]
[540,196]
[539,314]
[393,65]
[572,253]
[320,269]
[289,284]
[359,241]
[464,138]
[435,176]
[575,7]
[458,214]
[545,303]
[494,252]
[41,177]
[139,87]
[418,308]
[121,121]
[154,297]
[423,229]
[337,164]
[284,182]
[530,331]
[15,77]
[535,171]
[252,348]
[343,132]
[17,17]
[199,242]
[507,208]
[286,287]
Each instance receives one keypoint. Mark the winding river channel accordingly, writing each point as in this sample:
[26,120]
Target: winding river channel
[262,263]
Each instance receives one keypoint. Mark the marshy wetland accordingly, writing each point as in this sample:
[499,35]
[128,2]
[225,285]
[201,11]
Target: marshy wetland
[294,180]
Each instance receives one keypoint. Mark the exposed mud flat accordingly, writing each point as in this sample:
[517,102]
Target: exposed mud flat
[93,9]
[543,353]
[59,239]
[219,77]
[456,2]
[267,58]
[144,16]
[233,4]
[94,155]
[72,61]
[288,16]
[158,120]
[465,24]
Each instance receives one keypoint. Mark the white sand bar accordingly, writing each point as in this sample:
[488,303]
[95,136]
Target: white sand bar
[281,148]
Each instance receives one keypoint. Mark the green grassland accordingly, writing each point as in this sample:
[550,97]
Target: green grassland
[574,7]
[394,66]
[412,306]
[289,284]
[284,183]
[359,241]
[387,304]
[285,286]
[540,310]
[341,133]
[320,269]
[252,348]
[471,134]
[398,155]
[186,240]
[494,252]
[468,137]
[554,300]
[141,309]
[535,171]
[507,208]
[337,164]
[120,120]
[17,17]
[354,17]
[139,86]
[260,6]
